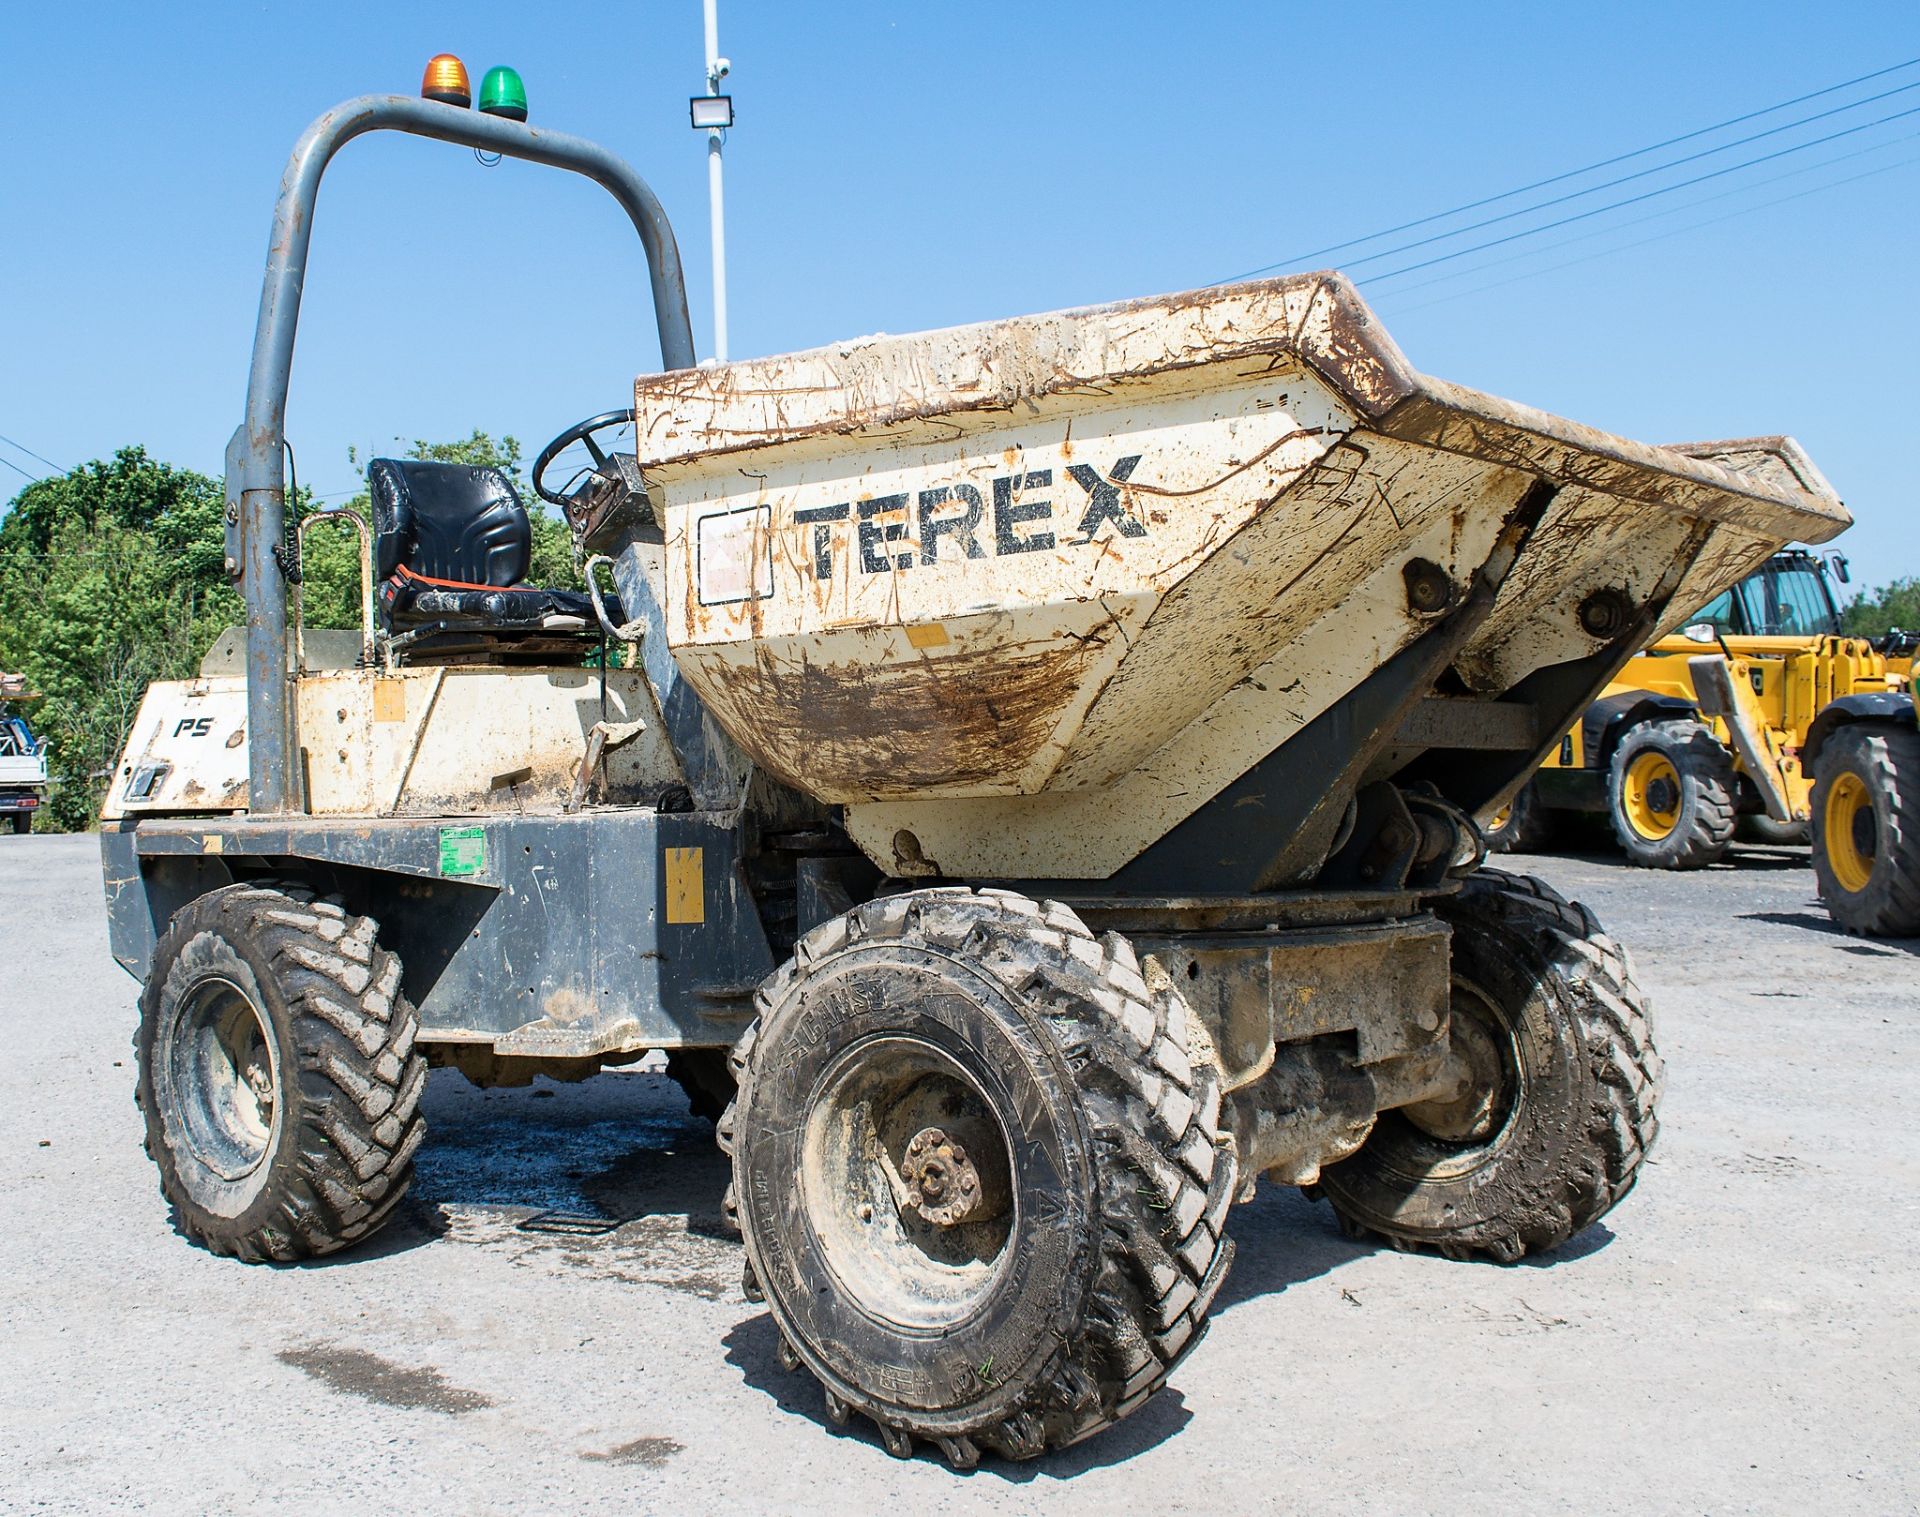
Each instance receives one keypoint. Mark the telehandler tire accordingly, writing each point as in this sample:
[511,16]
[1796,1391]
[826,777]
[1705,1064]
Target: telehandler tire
[278,1073]
[1672,794]
[1866,829]
[980,1171]
[1525,826]
[1554,1137]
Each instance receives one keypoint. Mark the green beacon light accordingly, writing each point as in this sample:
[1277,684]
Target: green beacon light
[502,94]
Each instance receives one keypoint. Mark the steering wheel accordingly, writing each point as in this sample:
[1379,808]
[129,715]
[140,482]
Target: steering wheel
[582,433]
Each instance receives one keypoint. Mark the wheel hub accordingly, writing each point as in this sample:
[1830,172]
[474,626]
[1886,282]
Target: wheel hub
[942,1183]
[905,1181]
[223,1067]
[1865,835]
[1651,794]
[1480,1059]
[1852,832]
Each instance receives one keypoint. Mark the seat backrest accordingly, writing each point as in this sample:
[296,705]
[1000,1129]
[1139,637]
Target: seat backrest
[448,521]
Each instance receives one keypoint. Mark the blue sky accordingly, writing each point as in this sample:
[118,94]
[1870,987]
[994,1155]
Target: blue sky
[903,166]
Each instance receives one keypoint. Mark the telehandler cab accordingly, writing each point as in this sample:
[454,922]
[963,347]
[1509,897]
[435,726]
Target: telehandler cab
[1039,800]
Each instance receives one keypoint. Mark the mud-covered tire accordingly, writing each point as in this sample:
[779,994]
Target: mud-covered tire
[703,1074]
[1686,759]
[1526,826]
[278,1073]
[1094,1280]
[1580,1108]
[1866,828]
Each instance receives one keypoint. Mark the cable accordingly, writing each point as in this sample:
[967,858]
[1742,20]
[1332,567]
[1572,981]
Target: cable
[31,478]
[1884,168]
[1594,189]
[1659,168]
[1565,242]
[1538,184]
[1604,163]
[1667,189]
[31,454]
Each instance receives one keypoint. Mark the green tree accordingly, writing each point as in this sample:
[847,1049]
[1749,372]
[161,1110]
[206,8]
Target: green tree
[1892,605]
[110,576]
[113,576]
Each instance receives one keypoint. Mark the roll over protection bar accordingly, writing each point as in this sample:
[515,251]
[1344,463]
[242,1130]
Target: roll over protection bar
[256,490]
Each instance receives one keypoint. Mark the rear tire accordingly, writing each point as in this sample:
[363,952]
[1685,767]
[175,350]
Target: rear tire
[1866,829]
[278,1073]
[1085,1110]
[1571,1115]
[1671,793]
[1525,826]
[22,823]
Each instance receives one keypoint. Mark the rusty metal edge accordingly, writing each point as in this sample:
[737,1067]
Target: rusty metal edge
[1361,362]
[1343,343]
[1786,449]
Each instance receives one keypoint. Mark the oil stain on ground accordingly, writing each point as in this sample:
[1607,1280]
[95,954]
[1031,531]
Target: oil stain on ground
[359,1373]
[650,1452]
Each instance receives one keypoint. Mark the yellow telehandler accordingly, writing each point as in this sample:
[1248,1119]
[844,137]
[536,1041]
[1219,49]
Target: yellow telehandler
[1711,730]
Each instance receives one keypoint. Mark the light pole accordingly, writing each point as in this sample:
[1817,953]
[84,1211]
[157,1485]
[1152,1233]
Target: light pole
[713,113]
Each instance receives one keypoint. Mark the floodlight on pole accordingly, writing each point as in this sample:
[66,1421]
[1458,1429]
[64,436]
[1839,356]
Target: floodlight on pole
[713,114]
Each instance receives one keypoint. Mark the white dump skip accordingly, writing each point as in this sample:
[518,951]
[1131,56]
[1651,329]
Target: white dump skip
[1095,564]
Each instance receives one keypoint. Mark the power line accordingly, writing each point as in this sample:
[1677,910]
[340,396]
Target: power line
[1608,184]
[32,478]
[1742,189]
[1539,184]
[31,454]
[1695,226]
[1667,189]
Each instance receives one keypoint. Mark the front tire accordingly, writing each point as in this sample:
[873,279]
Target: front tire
[278,1073]
[1866,829]
[979,1171]
[1671,794]
[1554,1137]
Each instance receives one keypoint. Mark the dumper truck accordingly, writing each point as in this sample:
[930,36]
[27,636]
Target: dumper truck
[1036,797]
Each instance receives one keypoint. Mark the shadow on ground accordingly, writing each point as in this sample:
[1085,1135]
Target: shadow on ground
[1820,922]
[753,1348]
[613,1150]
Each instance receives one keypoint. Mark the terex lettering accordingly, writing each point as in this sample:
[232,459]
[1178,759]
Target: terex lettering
[894,532]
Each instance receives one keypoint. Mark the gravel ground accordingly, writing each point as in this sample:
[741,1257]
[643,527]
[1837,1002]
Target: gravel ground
[1740,1335]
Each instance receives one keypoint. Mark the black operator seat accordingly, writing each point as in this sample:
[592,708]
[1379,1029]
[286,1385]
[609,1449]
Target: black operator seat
[452,543]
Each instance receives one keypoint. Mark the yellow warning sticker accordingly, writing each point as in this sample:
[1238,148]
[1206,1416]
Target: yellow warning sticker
[686,886]
[389,700]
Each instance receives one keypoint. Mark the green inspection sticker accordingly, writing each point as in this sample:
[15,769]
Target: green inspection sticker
[463,850]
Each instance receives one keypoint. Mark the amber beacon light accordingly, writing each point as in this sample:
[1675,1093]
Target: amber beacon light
[446,81]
